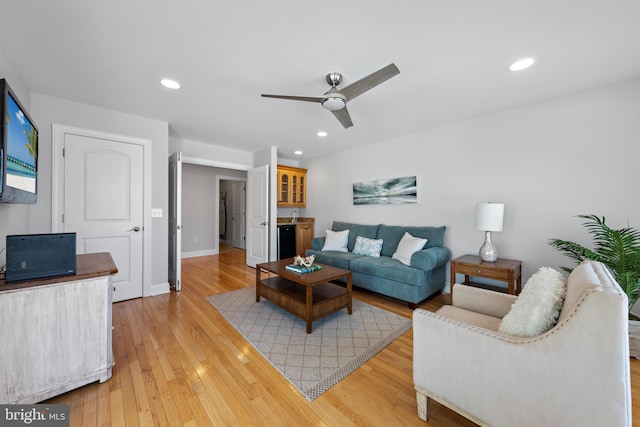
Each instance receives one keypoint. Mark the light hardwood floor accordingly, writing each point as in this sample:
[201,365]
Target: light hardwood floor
[178,362]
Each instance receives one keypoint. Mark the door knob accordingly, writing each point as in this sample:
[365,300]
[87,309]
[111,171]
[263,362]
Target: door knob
[264,223]
[136,229]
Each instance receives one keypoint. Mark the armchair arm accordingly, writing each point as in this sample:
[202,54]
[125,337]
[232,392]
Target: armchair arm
[317,243]
[556,378]
[491,303]
[430,258]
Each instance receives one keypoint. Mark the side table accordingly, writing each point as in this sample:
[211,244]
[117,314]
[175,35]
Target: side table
[504,270]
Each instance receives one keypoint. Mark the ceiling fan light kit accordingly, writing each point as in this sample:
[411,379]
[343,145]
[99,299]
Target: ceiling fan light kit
[336,101]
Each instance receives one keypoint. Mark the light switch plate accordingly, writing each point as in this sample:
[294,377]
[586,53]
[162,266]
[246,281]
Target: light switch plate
[156,213]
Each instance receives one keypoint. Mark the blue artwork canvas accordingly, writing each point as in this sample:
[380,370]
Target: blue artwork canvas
[386,191]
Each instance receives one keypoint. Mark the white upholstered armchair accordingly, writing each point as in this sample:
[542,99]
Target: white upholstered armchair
[575,374]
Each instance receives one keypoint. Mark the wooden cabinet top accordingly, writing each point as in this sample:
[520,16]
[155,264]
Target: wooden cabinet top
[291,168]
[289,221]
[88,266]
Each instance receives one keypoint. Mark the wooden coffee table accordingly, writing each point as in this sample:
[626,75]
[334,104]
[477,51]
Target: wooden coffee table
[309,296]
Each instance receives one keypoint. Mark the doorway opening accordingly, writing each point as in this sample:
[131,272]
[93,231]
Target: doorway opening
[232,201]
[207,215]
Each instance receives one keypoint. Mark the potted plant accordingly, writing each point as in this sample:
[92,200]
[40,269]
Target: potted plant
[620,251]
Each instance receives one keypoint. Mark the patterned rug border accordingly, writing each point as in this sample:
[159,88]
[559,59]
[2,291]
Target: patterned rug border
[341,372]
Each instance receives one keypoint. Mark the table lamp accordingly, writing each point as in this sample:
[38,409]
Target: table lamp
[489,218]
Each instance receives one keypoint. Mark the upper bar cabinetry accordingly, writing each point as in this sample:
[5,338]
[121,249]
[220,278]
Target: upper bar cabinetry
[292,187]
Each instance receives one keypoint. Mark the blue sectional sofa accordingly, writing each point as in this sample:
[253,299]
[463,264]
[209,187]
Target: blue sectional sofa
[385,275]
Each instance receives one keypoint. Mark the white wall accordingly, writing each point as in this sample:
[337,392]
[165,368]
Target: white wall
[546,162]
[47,110]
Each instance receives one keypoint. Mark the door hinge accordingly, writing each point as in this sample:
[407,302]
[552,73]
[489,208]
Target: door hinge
[63,218]
[63,152]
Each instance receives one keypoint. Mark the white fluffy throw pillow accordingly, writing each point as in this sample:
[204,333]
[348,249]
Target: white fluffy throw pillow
[336,241]
[537,308]
[407,246]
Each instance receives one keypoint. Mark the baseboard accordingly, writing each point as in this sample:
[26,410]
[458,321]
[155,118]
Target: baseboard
[199,253]
[160,288]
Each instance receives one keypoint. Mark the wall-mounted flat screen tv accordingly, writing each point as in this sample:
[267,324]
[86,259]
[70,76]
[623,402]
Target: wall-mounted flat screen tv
[18,149]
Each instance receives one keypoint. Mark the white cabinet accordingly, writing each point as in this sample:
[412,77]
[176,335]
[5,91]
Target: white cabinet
[56,336]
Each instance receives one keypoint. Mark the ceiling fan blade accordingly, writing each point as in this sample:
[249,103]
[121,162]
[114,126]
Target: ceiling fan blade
[369,82]
[296,98]
[343,117]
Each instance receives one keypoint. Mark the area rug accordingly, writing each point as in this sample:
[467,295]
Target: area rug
[313,362]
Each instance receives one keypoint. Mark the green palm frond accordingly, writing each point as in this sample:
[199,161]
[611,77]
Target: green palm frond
[573,250]
[32,144]
[617,249]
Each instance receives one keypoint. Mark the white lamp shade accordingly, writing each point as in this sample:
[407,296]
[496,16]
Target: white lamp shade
[489,216]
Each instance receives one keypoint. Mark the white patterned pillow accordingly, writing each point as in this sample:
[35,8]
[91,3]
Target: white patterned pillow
[367,247]
[336,241]
[537,308]
[407,246]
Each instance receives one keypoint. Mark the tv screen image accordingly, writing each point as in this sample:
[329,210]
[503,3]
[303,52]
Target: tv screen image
[22,149]
[18,149]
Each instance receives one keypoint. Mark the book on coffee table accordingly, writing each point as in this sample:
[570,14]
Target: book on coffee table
[303,269]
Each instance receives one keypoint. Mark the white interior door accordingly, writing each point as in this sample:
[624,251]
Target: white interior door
[238,222]
[175,220]
[257,215]
[104,204]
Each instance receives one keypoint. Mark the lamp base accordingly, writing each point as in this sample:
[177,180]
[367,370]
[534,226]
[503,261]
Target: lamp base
[488,252]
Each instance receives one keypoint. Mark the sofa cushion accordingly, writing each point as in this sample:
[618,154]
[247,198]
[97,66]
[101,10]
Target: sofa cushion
[367,247]
[336,241]
[388,268]
[391,235]
[336,259]
[370,231]
[537,308]
[408,246]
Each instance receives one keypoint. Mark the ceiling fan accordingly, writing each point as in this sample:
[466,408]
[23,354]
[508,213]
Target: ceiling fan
[336,101]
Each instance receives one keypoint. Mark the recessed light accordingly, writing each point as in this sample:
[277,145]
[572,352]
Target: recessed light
[521,64]
[322,134]
[298,152]
[171,84]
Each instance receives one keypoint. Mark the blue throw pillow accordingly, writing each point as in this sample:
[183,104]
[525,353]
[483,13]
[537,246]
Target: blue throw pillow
[367,247]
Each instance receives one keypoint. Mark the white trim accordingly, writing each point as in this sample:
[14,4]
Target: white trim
[215,163]
[57,191]
[159,289]
[195,254]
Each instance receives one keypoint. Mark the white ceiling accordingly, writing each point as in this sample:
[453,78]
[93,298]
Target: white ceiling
[452,55]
